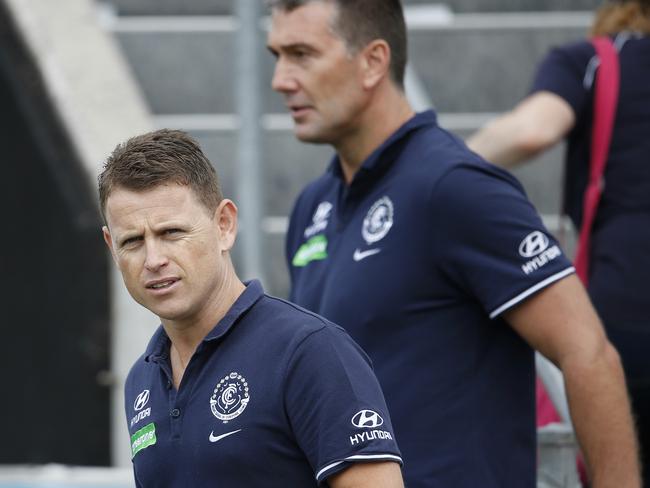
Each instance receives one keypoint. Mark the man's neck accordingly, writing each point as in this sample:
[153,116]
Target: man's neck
[386,112]
[185,336]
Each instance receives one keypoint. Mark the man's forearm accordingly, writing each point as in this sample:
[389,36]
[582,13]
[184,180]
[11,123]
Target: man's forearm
[602,419]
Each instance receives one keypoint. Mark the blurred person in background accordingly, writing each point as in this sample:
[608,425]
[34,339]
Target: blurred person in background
[436,263]
[560,107]
[236,388]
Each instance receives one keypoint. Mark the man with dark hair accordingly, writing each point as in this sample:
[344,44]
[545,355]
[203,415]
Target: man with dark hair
[235,387]
[437,264]
[361,21]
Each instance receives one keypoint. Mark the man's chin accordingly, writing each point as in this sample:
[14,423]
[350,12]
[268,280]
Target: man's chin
[168,313]
[309,136]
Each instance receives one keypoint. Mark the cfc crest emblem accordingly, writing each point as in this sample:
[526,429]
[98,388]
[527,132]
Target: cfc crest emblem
[230,397]
[378,221]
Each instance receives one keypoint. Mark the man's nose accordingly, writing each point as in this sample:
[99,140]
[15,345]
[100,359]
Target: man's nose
[283,81]
[155,256]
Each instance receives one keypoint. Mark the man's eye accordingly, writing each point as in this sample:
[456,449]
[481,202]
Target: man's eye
[131,241]
[173,231]
[300,54]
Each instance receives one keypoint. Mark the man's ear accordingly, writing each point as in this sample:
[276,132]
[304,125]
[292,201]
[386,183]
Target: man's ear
[109,242]
[375,59]
[225,218]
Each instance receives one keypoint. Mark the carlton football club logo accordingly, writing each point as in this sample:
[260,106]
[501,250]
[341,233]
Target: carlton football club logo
[230,397]
[378,221]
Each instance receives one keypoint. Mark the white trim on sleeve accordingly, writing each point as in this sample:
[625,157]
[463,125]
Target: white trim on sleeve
[531,290]
[359,457]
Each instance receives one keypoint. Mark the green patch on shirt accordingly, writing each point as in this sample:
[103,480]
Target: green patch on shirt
[143,438]
[315,249]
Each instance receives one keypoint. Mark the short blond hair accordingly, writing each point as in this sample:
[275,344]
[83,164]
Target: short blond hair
[155,158]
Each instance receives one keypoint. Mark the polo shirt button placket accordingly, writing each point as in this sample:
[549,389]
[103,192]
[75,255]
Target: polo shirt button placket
[175,420]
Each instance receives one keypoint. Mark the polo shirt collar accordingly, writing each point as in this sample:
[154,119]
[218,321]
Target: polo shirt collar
[158,348]
[376,160]
[251,294]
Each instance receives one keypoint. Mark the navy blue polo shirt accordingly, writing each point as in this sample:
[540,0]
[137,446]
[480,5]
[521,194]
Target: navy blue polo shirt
[620,260]
[273,396]
[417,259]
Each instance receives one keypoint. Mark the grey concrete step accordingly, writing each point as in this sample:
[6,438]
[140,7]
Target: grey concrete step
[486,62]
[221,7]
[521,5]
[171,7]
[289,164]
[199,7]
[473,63]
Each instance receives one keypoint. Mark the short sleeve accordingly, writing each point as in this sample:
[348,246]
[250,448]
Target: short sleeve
[335,405]
[491,242]
[562,72]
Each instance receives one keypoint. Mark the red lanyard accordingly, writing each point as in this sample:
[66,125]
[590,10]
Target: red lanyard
[605,101]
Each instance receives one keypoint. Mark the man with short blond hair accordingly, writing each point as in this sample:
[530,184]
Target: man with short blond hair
[236,388]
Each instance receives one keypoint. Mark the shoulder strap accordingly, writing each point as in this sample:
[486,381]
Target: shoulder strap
[605,102]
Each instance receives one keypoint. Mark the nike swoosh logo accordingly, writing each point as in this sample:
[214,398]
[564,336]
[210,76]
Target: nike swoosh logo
[359,255]
[215,438]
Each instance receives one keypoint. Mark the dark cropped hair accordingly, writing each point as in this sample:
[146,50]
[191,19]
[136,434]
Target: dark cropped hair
[361,21]
[163,156]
